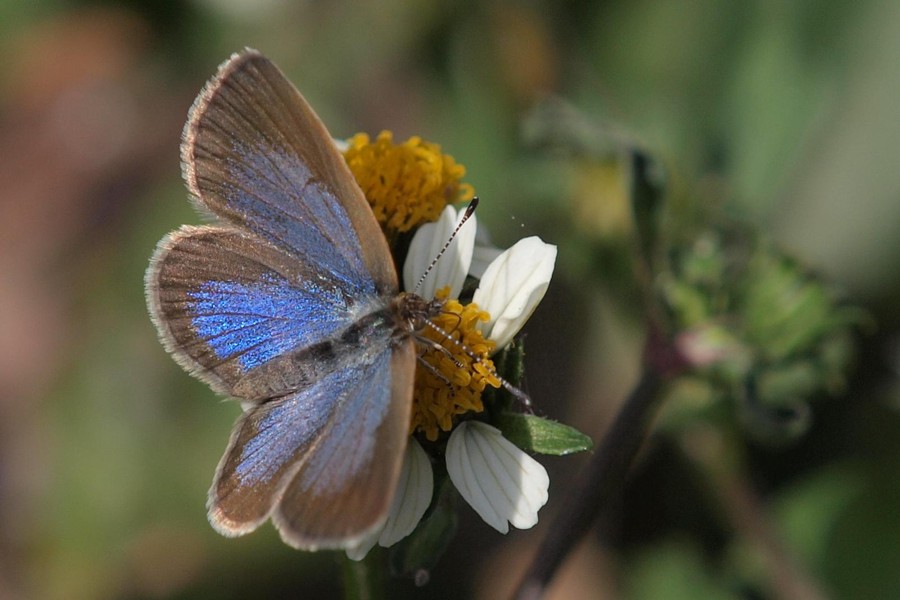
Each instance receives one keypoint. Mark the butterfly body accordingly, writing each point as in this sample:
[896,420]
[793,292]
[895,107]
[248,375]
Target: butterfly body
[290,303]
[394,325]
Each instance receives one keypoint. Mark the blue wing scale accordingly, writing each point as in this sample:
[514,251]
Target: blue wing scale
[227,302]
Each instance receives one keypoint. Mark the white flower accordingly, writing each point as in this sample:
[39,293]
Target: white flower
[411,500]
[412,497]
[359,551]
[501,482]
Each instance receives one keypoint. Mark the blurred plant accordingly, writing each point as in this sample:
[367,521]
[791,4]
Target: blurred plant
[730,319]
[756,328]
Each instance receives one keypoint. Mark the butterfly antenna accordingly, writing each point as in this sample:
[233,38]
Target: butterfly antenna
[470,210]
[476,358]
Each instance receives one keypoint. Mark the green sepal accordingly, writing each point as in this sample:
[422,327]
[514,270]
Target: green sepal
[510,365]
[543,436]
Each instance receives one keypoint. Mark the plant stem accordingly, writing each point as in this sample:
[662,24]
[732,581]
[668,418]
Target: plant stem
[604,483]
[364,579]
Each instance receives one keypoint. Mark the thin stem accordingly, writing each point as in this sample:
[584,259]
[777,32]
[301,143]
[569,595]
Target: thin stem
[364,579]
[604,484]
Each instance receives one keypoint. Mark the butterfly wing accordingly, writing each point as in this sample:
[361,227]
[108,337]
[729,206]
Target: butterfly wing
[253,305]
[255,154]
[329,476]
[228,304]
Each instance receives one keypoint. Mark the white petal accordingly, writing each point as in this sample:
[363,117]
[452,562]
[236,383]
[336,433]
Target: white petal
[512,287]
[359,551]
[502,483]
[463,476]
[412,498]
[452,267]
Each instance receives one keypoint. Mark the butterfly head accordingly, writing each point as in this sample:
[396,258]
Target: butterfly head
[413,313]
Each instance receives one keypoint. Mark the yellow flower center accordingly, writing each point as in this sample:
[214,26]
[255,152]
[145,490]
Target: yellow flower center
[454,382]
[407,184]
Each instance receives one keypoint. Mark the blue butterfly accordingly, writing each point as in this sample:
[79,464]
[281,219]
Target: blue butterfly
[290,303]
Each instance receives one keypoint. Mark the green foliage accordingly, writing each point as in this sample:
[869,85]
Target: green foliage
[536,434]
[759,328]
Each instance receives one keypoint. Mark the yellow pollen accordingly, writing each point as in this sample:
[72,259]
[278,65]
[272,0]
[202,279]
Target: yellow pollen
[407,184]
[435,401]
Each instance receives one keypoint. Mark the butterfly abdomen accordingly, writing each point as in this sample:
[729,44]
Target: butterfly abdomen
[297,370]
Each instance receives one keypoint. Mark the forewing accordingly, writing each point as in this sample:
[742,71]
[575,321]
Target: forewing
[325,459]
[226,302]
[255,154]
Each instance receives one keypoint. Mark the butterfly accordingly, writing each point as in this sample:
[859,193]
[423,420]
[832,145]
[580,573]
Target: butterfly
[290,303]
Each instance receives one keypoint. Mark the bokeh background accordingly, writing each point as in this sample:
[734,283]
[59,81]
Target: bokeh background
[787,112]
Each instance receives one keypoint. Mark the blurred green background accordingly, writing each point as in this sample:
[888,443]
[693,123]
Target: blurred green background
[787,112]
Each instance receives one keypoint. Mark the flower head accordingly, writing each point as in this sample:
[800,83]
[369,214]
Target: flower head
[407,184]
[501,482]
[459,367]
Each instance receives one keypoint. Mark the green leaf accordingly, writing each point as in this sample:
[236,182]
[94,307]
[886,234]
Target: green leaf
[809,509]
[536,434]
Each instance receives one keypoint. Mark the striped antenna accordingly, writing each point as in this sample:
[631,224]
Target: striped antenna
[470,210]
